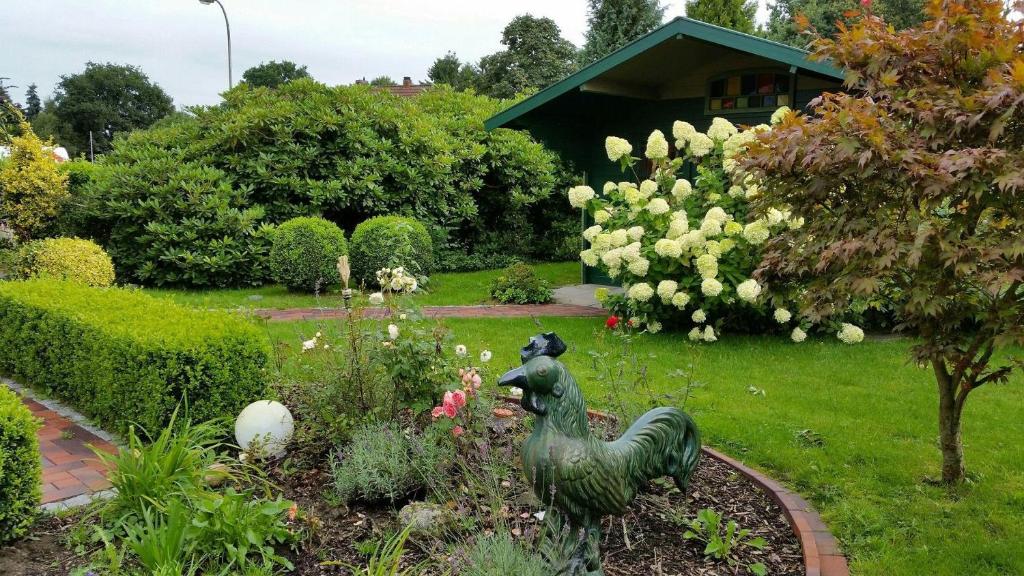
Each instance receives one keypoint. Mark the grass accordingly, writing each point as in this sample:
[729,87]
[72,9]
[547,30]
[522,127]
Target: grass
[445,289]
[853,428]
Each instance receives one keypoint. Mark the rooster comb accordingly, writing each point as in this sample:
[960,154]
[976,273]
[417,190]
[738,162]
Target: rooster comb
[547,344]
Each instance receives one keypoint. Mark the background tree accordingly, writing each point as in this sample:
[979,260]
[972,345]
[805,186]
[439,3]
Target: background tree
[32,104]
[46,125]
[614,23]
[449,70]
[735,14]
[106,99]
[911,187]
[272,74]
[823,15]
[382,81]
[536,56]
[10,111]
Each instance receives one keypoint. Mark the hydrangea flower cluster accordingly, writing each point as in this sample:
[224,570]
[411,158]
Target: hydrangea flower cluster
[684,250]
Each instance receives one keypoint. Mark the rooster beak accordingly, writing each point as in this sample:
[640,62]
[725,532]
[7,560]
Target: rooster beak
[515,377]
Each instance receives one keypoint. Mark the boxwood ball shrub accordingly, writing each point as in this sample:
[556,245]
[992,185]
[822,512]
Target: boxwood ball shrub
[72,259]
[20,469]
[388,242]
[124,358]
[304,254]
[519,284]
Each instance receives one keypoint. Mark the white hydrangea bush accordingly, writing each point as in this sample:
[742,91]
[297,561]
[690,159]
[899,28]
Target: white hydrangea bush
[684,250]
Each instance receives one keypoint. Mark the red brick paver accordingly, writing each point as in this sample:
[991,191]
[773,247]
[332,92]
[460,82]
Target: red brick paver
[482,311]
[70,468]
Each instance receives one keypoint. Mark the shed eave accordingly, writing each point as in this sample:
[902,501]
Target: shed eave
[680,26]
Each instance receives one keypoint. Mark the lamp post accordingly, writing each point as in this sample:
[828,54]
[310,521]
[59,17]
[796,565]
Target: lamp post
[227,26]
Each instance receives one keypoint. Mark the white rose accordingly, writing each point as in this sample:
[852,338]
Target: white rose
[392,332]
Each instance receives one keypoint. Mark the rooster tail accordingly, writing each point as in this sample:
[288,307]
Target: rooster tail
[691,455]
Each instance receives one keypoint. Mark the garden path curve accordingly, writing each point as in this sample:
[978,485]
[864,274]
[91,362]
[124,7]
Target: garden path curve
[481,311]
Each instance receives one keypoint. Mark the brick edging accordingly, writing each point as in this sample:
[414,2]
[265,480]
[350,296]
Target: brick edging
[821,551]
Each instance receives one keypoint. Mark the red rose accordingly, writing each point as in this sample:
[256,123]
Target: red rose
[612,322]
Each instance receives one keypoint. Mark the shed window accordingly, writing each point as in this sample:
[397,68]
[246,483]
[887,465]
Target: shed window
[749,92]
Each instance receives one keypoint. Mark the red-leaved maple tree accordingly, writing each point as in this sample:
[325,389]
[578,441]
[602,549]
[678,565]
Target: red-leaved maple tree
[911,185]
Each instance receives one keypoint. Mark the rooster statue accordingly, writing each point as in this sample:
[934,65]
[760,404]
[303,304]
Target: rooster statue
[582,477]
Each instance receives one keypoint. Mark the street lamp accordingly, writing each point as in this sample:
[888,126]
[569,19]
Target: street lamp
[227,26]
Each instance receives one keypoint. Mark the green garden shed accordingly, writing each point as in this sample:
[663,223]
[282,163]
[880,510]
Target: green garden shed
[684,70]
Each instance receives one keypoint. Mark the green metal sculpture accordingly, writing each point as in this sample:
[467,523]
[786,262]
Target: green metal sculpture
[582,477]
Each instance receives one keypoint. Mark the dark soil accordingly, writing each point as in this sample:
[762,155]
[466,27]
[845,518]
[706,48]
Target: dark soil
[647,541]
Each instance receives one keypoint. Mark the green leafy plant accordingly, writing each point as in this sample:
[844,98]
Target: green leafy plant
[722,541]
[383,462]
[20,470]
[32,188]
[161,541]
[242,528]
[386,559]
[519,284]
[71,259]
[390,242]
[304,255]
[126,358]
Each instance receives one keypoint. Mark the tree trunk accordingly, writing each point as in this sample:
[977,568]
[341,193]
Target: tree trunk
[949,427]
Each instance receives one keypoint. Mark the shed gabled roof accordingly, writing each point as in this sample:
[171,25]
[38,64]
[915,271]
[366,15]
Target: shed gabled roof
[677,27]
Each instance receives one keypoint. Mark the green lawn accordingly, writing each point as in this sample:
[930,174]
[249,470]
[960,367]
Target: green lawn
[444,290]
[875,416]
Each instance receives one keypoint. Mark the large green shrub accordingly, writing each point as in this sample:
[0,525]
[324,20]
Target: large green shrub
[167,217]
[123,357]
[20,470]
[184,201]
[71,259]
[388,242]
[305,252]
[32,188]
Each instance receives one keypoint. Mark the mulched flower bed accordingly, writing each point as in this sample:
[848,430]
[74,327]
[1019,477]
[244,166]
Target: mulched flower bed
[647,541]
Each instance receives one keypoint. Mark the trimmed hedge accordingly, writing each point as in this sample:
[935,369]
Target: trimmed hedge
[20,466]
[389,242]
[71,259]
[305,252]
[126,358]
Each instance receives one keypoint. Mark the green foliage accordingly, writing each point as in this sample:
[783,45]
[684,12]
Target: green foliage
[923,207]
[32,187]
[614,23]
[383,82]
[33,105]
[174,521]
[390,242]
[106,99]
[20,470]
[519,284]
[535,56]
[70,259]
[304,255]
[735,14]
[825,16]
[383,462]
[449,70]
[124,357]
[386,559]
[500,555]
[272,74]
[167,217]
[721,542]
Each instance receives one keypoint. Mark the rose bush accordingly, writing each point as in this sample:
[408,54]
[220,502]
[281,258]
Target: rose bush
[685,251]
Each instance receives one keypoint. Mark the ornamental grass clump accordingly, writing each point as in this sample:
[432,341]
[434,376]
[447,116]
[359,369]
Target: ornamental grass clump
[911,185]
[685,251]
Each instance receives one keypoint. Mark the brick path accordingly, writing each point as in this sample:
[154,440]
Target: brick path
[483,311]
[70,468]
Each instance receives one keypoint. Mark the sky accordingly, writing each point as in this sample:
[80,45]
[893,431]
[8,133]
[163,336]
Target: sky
[181,44]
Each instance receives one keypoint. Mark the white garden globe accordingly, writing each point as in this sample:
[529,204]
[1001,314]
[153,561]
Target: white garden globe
[266,427]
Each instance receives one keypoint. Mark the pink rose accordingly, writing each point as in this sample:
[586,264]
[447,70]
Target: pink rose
[437,412]
[458,431]
[476,380]
[459,398]
[450,410]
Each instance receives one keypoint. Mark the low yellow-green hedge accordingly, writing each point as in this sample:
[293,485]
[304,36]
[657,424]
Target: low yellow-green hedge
[123,357]
[20,469]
